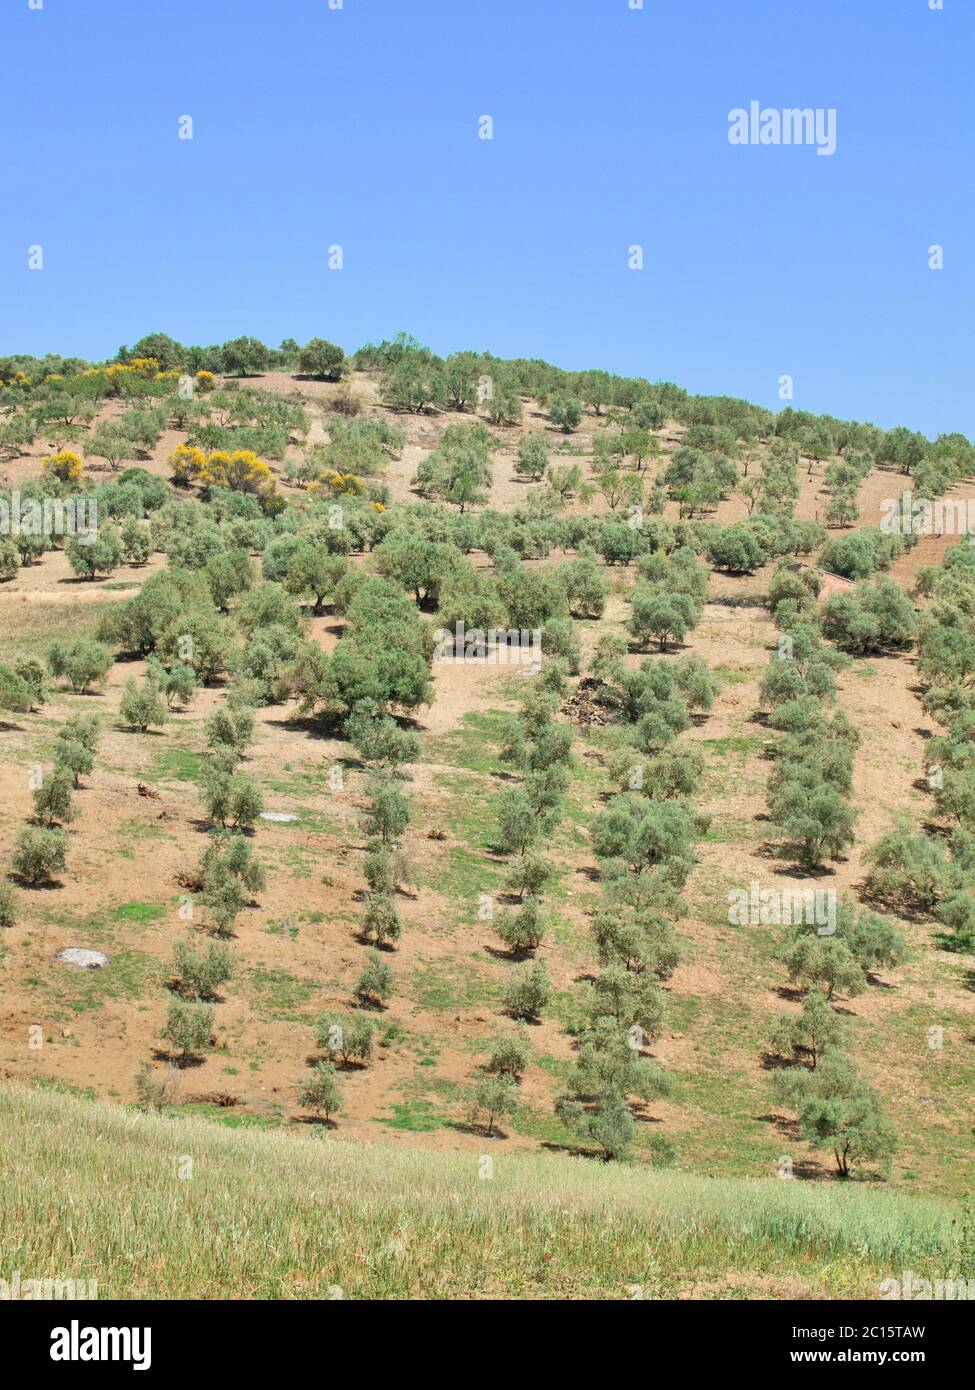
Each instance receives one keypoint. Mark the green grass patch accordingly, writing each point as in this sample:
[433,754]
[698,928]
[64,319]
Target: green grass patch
[130,974]
[473,746]
[224,1115]
[143,913]
[280,996]
[176,763]
[416,1116]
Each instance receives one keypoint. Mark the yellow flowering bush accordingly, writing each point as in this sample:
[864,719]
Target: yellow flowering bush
[204,380]
[65,466]
[344,484]
[242,471]
[188,464]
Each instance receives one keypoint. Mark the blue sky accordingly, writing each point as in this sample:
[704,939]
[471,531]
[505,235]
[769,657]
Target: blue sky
[358,127]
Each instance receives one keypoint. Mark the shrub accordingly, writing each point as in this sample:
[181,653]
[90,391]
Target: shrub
[322,1092]
[529,876]
[662,617]
[200,974]
[492,1098]
[73,757]
[566,412]
[156,1089]
[39,854]
[8,904]
[811,1033]
[321,358]
[816,823]
[838,1111]
[187,463]
[518,825]
[83,663]
[90,558]
[52,799]
[876,616]
[823,962]
[347,1036]
[189,1028]
[375,984]
[531,460]
[522,931]
[530,994]
[9,558]
[607,1123]
[66,466]
[510,1055]
[388,812]
[381,922]
[230,728]
[232,799]
[142,707]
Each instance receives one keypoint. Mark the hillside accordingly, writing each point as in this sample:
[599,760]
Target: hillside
[295,942]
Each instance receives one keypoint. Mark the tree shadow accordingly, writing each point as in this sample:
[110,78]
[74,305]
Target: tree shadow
[508,953]
[775,1061]
[369,1004]
[306,724]
[790,867]
[575,1151]
[181,991]
[221,1098]
[177,1059]
[590,872]
[44,884]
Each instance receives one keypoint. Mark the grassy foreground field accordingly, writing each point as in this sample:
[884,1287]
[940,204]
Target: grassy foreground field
[183,1208]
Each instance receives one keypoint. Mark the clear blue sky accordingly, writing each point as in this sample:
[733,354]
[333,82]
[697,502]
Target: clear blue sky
[358,127]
